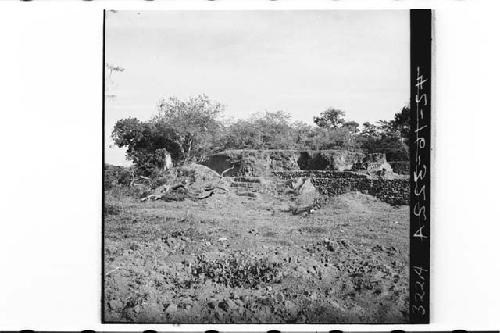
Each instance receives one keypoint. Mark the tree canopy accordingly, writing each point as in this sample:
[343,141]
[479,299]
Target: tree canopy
[330,118]
[185,129]
[191,129]
[194,123]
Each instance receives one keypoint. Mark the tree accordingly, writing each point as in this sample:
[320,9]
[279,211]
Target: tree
[109,83]
[401,122]
[242,134]
[389,137]
[275,129]
[399,127]
[146,142]
[303,135]
[185,129]
[271,130]
[331,118]
[113,68]
[194,123]
[369,130]
[351,126]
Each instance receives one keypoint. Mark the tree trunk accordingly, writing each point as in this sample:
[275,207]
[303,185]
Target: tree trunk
[189,147]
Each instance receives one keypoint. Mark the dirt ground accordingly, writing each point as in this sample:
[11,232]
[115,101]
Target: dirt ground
[245,259]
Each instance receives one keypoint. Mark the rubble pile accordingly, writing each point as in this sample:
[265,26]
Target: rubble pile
[191,181]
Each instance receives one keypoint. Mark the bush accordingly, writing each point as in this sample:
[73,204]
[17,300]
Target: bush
[392,147]
[117,175]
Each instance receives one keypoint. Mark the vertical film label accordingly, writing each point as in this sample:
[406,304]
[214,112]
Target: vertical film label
[420,165]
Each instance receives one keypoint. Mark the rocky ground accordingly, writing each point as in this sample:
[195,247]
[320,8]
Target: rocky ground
[240,258]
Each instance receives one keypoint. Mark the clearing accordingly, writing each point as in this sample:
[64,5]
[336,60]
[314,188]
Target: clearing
[239,257]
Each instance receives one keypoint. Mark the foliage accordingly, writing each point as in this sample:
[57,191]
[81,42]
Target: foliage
[271,130]
[146,143]
[401,122]
[185,129]
[116,175]
[369,130]
[193,124]
[191,129]
[303,135]
[399,126]
[389,137]
[330,118]
[351,126]
[334,138]
[274,130]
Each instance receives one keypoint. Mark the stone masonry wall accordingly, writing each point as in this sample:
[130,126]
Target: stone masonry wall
[401,167]
[263,163]
[392,191]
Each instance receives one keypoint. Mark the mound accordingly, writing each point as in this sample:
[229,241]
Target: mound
[192,181]
[200,179]
[355,201]
[197,173]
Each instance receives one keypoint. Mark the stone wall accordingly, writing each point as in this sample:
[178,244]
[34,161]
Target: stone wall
[331,183]
[339,160]
[401,167]
[252,163]
[332,172]
[263,163]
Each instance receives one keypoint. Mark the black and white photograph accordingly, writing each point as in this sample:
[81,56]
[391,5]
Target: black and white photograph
[257,166]
[249,166]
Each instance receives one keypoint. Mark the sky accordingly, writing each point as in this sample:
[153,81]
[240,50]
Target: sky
[300,62]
